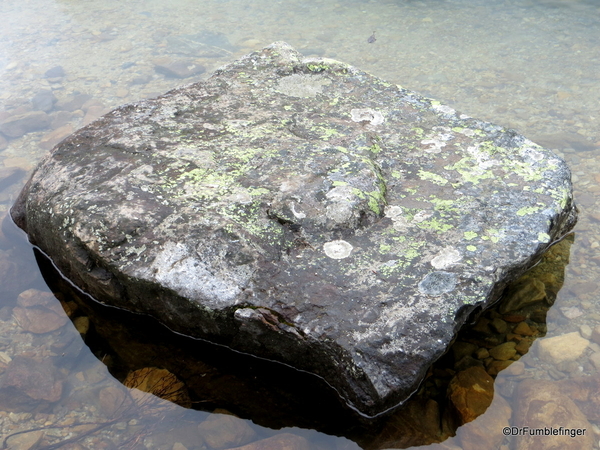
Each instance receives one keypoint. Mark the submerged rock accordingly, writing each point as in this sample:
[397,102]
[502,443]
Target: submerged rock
[541,406]
[29,384]
[303,211]
[471,392]
[39,312]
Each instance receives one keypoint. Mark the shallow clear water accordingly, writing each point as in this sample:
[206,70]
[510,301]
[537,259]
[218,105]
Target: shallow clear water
[529,65]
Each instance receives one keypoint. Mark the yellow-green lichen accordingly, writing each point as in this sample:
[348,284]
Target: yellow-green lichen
[489,148]
[251,219]
[444,204]
[493,235]
[319,67]
[435,224]
[543,237]
[255,192]
[384,248]
[325,132]
[469,235]
[375,148]
[470,172]
[433,177]
[526,210]
[411,253]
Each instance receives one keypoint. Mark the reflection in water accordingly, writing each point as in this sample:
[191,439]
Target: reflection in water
[192,373]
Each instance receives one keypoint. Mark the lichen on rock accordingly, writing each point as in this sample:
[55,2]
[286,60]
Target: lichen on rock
[301,210]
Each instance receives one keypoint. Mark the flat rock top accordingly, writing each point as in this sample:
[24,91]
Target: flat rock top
[302,210]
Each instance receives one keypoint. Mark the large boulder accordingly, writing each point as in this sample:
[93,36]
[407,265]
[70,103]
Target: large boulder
[303,211]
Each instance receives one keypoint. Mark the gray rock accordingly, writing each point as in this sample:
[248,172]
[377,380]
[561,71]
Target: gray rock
[55,72]
[301,210]
[179,69]
[73,102]
[28,383]
[10,176]
[544,404]
[21,124]
[43,101]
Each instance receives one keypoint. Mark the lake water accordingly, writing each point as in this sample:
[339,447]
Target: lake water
[531,65]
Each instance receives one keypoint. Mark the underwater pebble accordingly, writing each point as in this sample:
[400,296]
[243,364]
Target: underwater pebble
[516,368]
[596,334]
[595,359]
[504,351]
[558,349]
[179,446]
[585,331]
[571,312]
[222,430]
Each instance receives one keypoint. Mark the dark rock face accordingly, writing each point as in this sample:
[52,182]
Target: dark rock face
[301,210]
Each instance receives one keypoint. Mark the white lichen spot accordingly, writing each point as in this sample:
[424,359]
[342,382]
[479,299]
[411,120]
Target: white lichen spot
[422,215]
[239,195]
[367,115]
[446,257]
[465,131]
[533,153]
[438,141]
[337,249]
[394,213]
[444,109]
[297,214]
[340,209]
[435,145]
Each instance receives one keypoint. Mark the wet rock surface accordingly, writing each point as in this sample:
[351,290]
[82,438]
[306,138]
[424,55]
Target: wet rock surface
[301,210]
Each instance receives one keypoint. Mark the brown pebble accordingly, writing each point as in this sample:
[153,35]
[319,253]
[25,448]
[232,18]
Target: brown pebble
[482,353]
[523,346]
[524,329]
[504,351]
[499,325]
[514,337]
[498,366]
[482,326]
